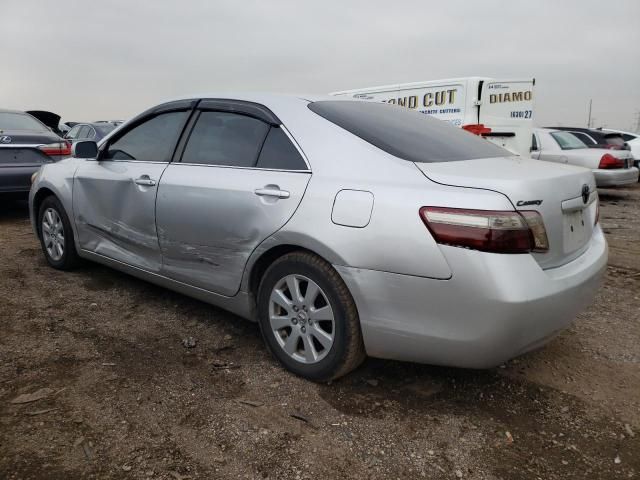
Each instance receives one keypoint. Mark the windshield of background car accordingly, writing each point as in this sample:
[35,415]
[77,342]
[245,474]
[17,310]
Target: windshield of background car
[19,121]
[405,133]
[568,141]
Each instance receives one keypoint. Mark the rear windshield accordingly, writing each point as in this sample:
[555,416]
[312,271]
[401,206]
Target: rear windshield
[404,133]
[614,139]
[19,121]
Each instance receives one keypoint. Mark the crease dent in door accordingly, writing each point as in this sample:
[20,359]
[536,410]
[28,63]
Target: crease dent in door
[210,220]
[231,249]
[120,233]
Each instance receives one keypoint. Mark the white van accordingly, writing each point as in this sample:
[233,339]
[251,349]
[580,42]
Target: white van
[500,110]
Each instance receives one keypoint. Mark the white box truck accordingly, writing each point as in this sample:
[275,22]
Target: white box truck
[499,110]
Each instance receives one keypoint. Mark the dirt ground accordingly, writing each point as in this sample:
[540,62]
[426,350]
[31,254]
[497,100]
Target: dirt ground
[121,397]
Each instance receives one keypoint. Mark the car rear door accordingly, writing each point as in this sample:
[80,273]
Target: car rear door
[240,178]
[114,198]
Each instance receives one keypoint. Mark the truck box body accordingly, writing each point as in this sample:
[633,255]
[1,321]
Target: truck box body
[503,107]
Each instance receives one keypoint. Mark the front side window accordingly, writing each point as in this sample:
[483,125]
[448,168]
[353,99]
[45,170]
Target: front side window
[404,133]
[279,153]
[223,138]
[153,140]
[567,141]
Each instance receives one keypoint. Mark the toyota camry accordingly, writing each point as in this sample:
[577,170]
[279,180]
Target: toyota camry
[344,228]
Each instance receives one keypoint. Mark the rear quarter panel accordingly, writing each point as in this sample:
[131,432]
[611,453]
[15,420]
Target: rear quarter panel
[395,239]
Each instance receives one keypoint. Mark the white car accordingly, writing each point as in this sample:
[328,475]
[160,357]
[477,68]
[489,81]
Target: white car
[632,139]
[611,168]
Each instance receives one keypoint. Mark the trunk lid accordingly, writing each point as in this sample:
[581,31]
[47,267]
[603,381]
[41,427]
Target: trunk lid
[27,137]
[554,190]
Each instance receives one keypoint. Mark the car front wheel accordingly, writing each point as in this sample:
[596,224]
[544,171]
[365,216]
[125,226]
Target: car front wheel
[308,318]
[56,236]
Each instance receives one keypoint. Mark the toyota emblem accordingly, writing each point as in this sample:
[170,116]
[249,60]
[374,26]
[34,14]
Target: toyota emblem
[5,139]
[585,193]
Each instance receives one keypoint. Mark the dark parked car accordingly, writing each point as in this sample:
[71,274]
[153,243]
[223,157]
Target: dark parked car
[25,145]
[597,138]
[95,131]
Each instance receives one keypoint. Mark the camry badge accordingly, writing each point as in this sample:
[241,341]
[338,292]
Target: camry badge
[5,139]
[585,193]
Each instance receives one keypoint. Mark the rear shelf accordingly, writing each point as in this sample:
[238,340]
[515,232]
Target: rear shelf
[554,190]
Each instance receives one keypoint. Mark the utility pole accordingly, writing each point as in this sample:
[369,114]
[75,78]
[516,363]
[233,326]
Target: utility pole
[589,121]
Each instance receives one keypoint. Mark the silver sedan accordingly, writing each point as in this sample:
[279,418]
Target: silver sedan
[345,228]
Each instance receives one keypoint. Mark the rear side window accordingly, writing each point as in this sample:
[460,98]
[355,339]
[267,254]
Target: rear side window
[567,140]
[153,140]
[279,153]
[404,133]
[223,138]
[534,143]
[586,139]
[73,133]
[83,132]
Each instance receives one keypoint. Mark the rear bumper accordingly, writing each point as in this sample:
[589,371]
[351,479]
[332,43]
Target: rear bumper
[16,179]
[494,308]
[616,177]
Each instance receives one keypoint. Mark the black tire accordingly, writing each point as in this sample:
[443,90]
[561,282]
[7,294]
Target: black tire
[347,350]
[69,258]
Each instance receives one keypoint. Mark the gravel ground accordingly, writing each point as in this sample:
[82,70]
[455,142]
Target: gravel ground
[95,382]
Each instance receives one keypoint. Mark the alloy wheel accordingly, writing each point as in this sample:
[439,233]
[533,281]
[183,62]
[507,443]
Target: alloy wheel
[301,319]
[53,234]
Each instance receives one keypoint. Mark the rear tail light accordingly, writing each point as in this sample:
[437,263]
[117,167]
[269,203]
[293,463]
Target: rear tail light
[57,148]
[476,129]
[609,161]
[487,230]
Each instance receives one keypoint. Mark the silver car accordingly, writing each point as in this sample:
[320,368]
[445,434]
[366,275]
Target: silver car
[345,228]
[611,168]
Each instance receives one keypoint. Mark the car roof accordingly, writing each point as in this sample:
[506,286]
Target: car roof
[7,110]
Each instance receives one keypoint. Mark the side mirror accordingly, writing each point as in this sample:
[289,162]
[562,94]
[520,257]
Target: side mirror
[87,149]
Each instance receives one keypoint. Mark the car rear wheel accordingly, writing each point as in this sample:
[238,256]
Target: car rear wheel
[308,318]
[56,236]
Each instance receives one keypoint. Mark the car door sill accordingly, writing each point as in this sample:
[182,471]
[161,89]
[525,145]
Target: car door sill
[240,304]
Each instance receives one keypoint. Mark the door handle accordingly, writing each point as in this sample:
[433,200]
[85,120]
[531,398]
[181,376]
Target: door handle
[271,192]
[145,181]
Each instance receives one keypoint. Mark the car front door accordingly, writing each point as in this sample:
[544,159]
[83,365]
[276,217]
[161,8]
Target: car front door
[114,196]
[239,180]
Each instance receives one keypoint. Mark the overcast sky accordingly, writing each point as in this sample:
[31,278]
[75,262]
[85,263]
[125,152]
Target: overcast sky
[90,60]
